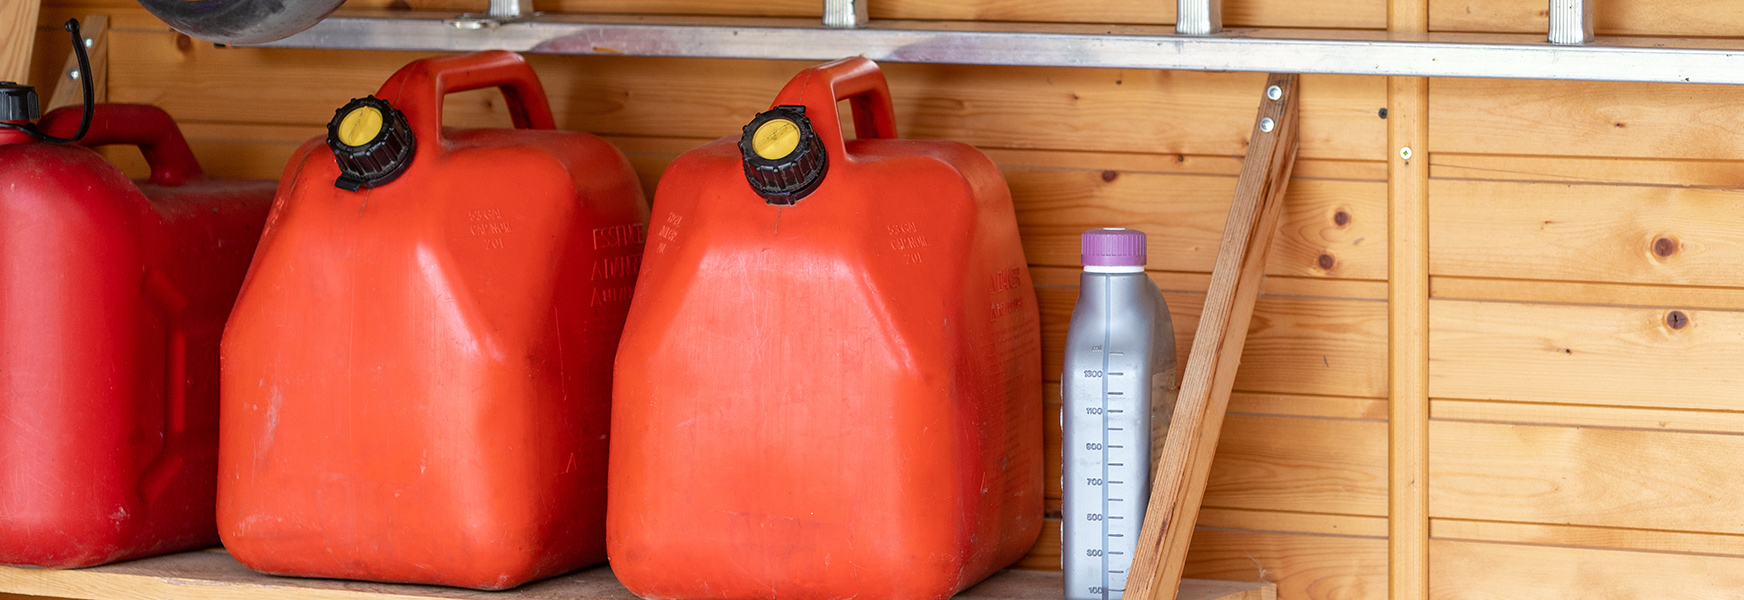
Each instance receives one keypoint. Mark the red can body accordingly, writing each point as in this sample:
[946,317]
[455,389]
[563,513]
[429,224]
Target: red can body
[417,375]
[839,398]
[112,299]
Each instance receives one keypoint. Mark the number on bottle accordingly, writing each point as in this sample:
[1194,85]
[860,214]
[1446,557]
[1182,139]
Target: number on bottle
[1093,516]
[1092,446]
[1093,552]
[1093,410]
[1092,374]
[1093,481]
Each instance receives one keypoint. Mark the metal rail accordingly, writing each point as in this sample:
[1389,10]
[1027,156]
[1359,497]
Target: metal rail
[1351,52]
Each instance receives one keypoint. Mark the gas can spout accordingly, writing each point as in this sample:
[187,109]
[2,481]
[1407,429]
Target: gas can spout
[19,104]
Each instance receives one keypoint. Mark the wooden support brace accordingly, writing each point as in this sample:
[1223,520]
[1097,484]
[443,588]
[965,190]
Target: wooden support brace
[17,38]
[1235,285]
[68,91]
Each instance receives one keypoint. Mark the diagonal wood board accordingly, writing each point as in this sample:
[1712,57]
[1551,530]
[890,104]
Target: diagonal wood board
[1235,284]
[17,38]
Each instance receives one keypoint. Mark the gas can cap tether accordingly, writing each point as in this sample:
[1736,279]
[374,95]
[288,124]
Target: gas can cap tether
[784,159]
[371,141]
[18,102]
[1114,247]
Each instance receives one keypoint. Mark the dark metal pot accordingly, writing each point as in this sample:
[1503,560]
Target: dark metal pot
[241,21]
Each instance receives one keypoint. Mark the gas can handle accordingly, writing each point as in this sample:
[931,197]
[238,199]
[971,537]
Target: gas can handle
[855,79]
[147,127]
[419,88]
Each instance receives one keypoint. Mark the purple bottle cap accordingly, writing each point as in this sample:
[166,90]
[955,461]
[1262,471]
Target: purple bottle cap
[1114,247]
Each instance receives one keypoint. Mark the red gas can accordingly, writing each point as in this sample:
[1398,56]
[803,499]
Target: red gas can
[112,298]
[417,376]
[830,383]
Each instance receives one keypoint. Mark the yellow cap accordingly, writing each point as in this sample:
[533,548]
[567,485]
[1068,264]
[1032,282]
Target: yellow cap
[360,126]
[776,138]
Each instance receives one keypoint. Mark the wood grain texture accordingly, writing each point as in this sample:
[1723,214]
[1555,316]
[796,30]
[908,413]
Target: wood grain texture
[1409,223]
[1292,522]
[1210,373]
[1295,405]
[1566,169]
[1483,571]
[1582,232]
[1683,18]
[1300,465]
[17,38]
[1597,355]
[1575,415]
[213,575]
[1590,119]
[1295,345]
[1581,292]
[1662,480]
[1305,567]
[1331,228]
[1589,537]
[67,90]
[998,107]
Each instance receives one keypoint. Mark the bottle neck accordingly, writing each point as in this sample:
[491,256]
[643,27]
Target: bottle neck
[1113,269]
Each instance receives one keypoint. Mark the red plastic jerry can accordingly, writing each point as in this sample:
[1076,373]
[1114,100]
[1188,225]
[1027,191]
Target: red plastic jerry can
[830,383]
[417,376]
[112,298]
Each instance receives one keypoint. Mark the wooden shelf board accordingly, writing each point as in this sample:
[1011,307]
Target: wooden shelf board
[213,575]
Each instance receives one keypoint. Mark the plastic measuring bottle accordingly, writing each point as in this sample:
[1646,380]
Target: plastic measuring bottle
[1119,385]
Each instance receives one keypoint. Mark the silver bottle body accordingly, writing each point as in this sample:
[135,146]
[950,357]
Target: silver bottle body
[1118,392]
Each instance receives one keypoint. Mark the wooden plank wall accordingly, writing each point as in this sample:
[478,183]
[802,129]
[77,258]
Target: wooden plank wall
[1575,276]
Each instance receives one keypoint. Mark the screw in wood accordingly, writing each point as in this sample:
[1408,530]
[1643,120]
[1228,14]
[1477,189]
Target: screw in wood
[1405,153]
[1266,125]
[1274,92]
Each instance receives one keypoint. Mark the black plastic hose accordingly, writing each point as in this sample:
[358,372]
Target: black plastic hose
[241,21]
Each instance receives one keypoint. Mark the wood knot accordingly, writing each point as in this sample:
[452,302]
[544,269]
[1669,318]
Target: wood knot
[1341,218]
[1664,247]
[1676,319]
[1326,262]
[1110,176]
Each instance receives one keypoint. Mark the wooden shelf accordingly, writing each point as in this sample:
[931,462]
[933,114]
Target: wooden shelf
[213,575]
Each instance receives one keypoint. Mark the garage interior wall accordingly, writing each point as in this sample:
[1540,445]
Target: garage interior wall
[1584,248]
